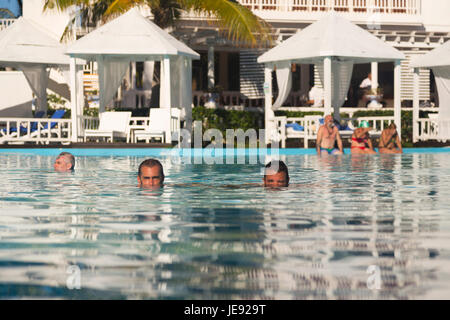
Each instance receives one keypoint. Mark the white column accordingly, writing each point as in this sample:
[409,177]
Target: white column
[397,97]
[73,99]
[211,82]
[327,85]
[188,109]
[133,75]
[374,72]
[80,98]
[269,114]
[165,93]
[166,90]
[416,105]
[101,76]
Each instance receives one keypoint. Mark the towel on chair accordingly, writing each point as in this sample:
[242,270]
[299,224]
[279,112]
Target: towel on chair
[295,126]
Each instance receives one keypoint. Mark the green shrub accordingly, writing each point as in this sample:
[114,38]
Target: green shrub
[227,119]
[56,102]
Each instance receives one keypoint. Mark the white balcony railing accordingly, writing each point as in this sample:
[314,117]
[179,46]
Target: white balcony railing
[4,23]
[21,130]
[427,129]
[409,7]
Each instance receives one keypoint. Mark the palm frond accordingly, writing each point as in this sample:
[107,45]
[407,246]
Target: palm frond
[120,6]
[62,5]
[236,21]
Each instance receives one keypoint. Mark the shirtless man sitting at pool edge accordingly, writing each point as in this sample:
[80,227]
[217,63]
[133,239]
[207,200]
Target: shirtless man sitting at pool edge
[389,138]
[326,138]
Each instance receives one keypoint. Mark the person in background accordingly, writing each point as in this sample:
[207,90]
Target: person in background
[361,143]
[389,140]
[366,84]
[316,97]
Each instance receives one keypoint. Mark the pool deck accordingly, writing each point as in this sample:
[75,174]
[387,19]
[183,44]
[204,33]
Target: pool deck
[87,145]
[143,150]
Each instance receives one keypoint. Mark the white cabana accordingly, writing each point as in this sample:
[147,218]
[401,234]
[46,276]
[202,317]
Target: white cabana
[132,37]
[437,60]
[334,44]
[28,47]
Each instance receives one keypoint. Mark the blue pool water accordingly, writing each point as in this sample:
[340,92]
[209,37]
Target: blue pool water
[314,240]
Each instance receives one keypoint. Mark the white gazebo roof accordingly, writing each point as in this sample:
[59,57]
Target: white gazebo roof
[130,35]
[332,36]
[439,57]
[27,42]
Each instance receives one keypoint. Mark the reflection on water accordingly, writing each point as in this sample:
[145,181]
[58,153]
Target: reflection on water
[315,241]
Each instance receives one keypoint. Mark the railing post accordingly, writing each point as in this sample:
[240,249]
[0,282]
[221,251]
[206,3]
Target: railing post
[269,114]
[327,69]
[416,105]
[397,96]
[73,98]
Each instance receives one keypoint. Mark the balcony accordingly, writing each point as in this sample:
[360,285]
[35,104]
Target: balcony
[382,11]
[4,23]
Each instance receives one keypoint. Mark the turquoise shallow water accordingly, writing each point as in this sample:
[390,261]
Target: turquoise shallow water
[314,240]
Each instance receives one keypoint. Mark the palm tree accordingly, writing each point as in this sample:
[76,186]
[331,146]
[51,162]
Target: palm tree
[235,21]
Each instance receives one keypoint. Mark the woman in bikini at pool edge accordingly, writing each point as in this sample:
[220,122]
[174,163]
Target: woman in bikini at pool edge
[389,138]
[361,143]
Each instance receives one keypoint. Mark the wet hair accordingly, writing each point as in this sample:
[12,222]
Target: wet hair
[392,126]
[69,158]
[280,166]
[150,163]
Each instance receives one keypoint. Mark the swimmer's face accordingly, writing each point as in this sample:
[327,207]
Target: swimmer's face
[151,178]
[276,180]
[62,165]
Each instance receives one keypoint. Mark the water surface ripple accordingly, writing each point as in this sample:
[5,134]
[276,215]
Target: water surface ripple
[314,240]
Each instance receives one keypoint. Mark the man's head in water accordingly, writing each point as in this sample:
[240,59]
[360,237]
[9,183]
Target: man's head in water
[65,162]
[151,174]
[276,175]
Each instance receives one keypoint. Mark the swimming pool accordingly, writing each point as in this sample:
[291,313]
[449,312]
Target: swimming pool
[322,239]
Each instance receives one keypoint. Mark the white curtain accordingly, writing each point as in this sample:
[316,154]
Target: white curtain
[341,75]
[37,77]
[165,94]
[186,92]
[175,81]
[284,81]
[111,72]
[442,76]
[181,87]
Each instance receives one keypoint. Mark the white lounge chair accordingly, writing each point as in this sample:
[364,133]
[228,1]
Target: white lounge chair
[163,123]
[112,125]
